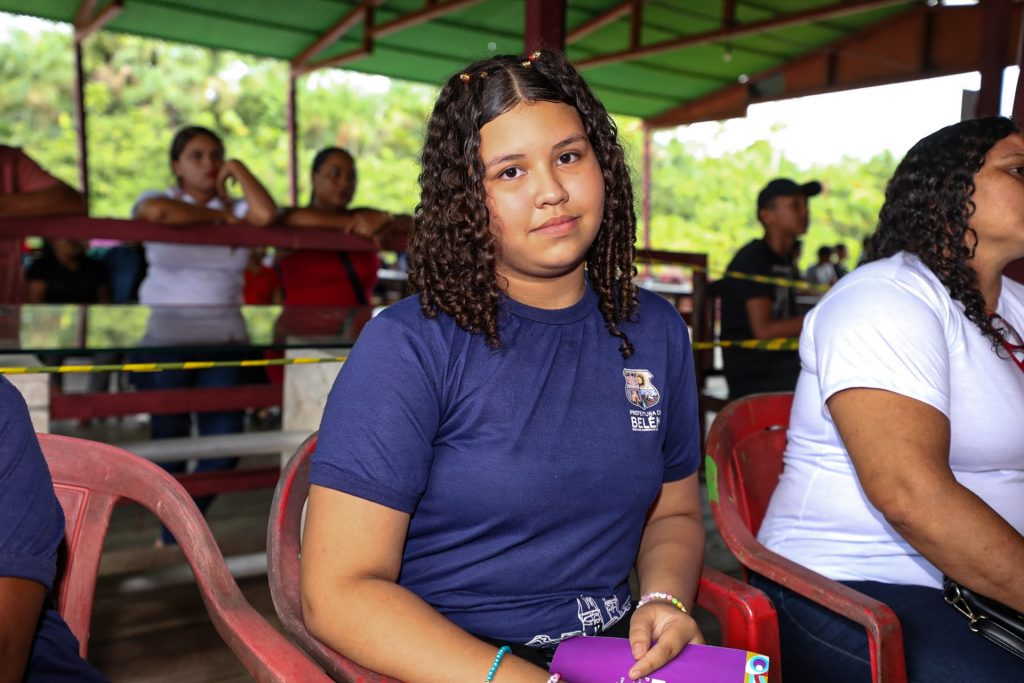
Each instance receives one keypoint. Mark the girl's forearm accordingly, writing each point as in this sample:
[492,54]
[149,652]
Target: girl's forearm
[671,557]
[388,629]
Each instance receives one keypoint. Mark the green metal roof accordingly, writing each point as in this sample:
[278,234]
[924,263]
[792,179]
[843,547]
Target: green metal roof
[643,85]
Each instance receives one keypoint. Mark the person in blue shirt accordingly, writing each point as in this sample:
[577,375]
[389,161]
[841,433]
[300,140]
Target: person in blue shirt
[36,646]
[501,450]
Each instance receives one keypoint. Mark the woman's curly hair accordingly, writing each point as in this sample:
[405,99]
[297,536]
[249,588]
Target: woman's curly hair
[928,203]
[452,251]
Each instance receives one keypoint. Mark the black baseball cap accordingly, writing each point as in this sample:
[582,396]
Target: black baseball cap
[784,187]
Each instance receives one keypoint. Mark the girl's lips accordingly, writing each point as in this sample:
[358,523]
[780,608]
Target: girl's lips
[558,225]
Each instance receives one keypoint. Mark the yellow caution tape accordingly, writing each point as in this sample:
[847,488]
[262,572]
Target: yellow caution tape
[779,344]
[156,367]
[763,279]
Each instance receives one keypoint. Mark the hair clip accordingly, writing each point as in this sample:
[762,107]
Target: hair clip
[464,77]
[528,62]
[483,75]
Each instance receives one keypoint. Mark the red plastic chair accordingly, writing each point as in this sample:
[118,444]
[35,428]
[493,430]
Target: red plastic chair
[746,616]
[744,461]
[89,478]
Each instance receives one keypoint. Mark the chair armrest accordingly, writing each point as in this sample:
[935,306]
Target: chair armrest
[266,654]
[745,614]
[885,636]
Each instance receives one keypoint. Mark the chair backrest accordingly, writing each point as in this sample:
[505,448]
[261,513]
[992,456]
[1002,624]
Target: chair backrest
[284,543]
[744,452]
[89,478]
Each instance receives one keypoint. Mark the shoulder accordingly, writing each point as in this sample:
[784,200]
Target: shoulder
[403,324]
[16,431]
[754,249]
[655,308]
[896,292]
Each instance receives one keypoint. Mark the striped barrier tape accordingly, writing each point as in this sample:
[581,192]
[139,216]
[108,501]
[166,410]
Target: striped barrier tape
[157,367]
[780,344]
[785,282]
[763,279]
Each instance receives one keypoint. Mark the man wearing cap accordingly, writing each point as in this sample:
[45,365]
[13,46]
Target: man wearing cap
[757,310]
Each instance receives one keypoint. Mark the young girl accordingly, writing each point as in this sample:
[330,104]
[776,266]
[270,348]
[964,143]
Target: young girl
[500,451]
[335,278]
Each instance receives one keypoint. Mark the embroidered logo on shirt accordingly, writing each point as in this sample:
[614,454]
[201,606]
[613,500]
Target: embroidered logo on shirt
[641,392]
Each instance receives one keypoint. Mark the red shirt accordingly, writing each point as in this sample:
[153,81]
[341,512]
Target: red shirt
[260,286]
[319,278]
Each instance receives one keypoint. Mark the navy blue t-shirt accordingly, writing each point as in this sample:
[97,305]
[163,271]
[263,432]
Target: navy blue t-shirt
[528,470]
[31,529]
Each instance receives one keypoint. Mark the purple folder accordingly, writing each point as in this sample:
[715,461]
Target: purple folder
[608,660]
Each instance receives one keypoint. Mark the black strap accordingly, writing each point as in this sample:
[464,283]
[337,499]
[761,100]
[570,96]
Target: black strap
[353,278]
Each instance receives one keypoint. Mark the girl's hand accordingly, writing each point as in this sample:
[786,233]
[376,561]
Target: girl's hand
[666,624]
[228,171]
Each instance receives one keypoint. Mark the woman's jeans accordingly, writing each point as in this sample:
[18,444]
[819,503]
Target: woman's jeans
[820,645]
[180,424]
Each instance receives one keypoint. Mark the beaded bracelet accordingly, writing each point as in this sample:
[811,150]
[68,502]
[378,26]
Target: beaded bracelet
[644,599]
[555,678]
[502,651]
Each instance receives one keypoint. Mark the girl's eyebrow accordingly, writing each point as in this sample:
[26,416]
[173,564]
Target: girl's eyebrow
[502,159]
[571,140]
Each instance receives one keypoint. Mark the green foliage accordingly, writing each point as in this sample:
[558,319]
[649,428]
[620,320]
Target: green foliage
[139,91]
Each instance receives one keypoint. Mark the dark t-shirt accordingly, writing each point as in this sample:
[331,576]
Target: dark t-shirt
[750,370]
[528,470]
[64,286]
[31,529]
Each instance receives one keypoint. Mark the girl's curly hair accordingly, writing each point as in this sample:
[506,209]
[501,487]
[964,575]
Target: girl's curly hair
[452,251]
[928,203]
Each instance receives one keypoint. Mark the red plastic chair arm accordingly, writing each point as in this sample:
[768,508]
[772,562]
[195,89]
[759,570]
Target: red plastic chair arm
[885,636]
[745,614]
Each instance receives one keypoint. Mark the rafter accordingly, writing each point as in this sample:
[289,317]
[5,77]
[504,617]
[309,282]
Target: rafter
[371,32]
[86,23]
[921,42]
[340,28]
[833,11]
[599,22]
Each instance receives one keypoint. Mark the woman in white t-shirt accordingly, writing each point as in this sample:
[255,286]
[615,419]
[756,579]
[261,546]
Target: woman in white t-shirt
[195,290]
[905,458]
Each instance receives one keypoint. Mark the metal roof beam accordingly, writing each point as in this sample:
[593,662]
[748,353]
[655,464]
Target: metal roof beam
[332,34]
[921,42]
[833,11]
[371,32]
[599,22]
[86,24]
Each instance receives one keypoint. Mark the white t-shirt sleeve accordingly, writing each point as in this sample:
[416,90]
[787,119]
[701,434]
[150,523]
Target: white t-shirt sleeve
[146,196]
[880,334]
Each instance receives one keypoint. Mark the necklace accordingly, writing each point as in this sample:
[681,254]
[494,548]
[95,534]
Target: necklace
[1009,338]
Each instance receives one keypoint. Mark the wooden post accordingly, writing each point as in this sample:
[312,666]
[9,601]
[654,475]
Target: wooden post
[83,143]
[293,143]
[996,16]
[545,25]
[1018,95]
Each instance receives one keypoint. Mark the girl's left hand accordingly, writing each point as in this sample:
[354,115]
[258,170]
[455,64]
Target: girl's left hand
[228,171]
[664,624]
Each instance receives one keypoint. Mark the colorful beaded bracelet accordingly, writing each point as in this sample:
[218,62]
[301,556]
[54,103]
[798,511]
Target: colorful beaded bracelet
[644,599]
[502,651]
